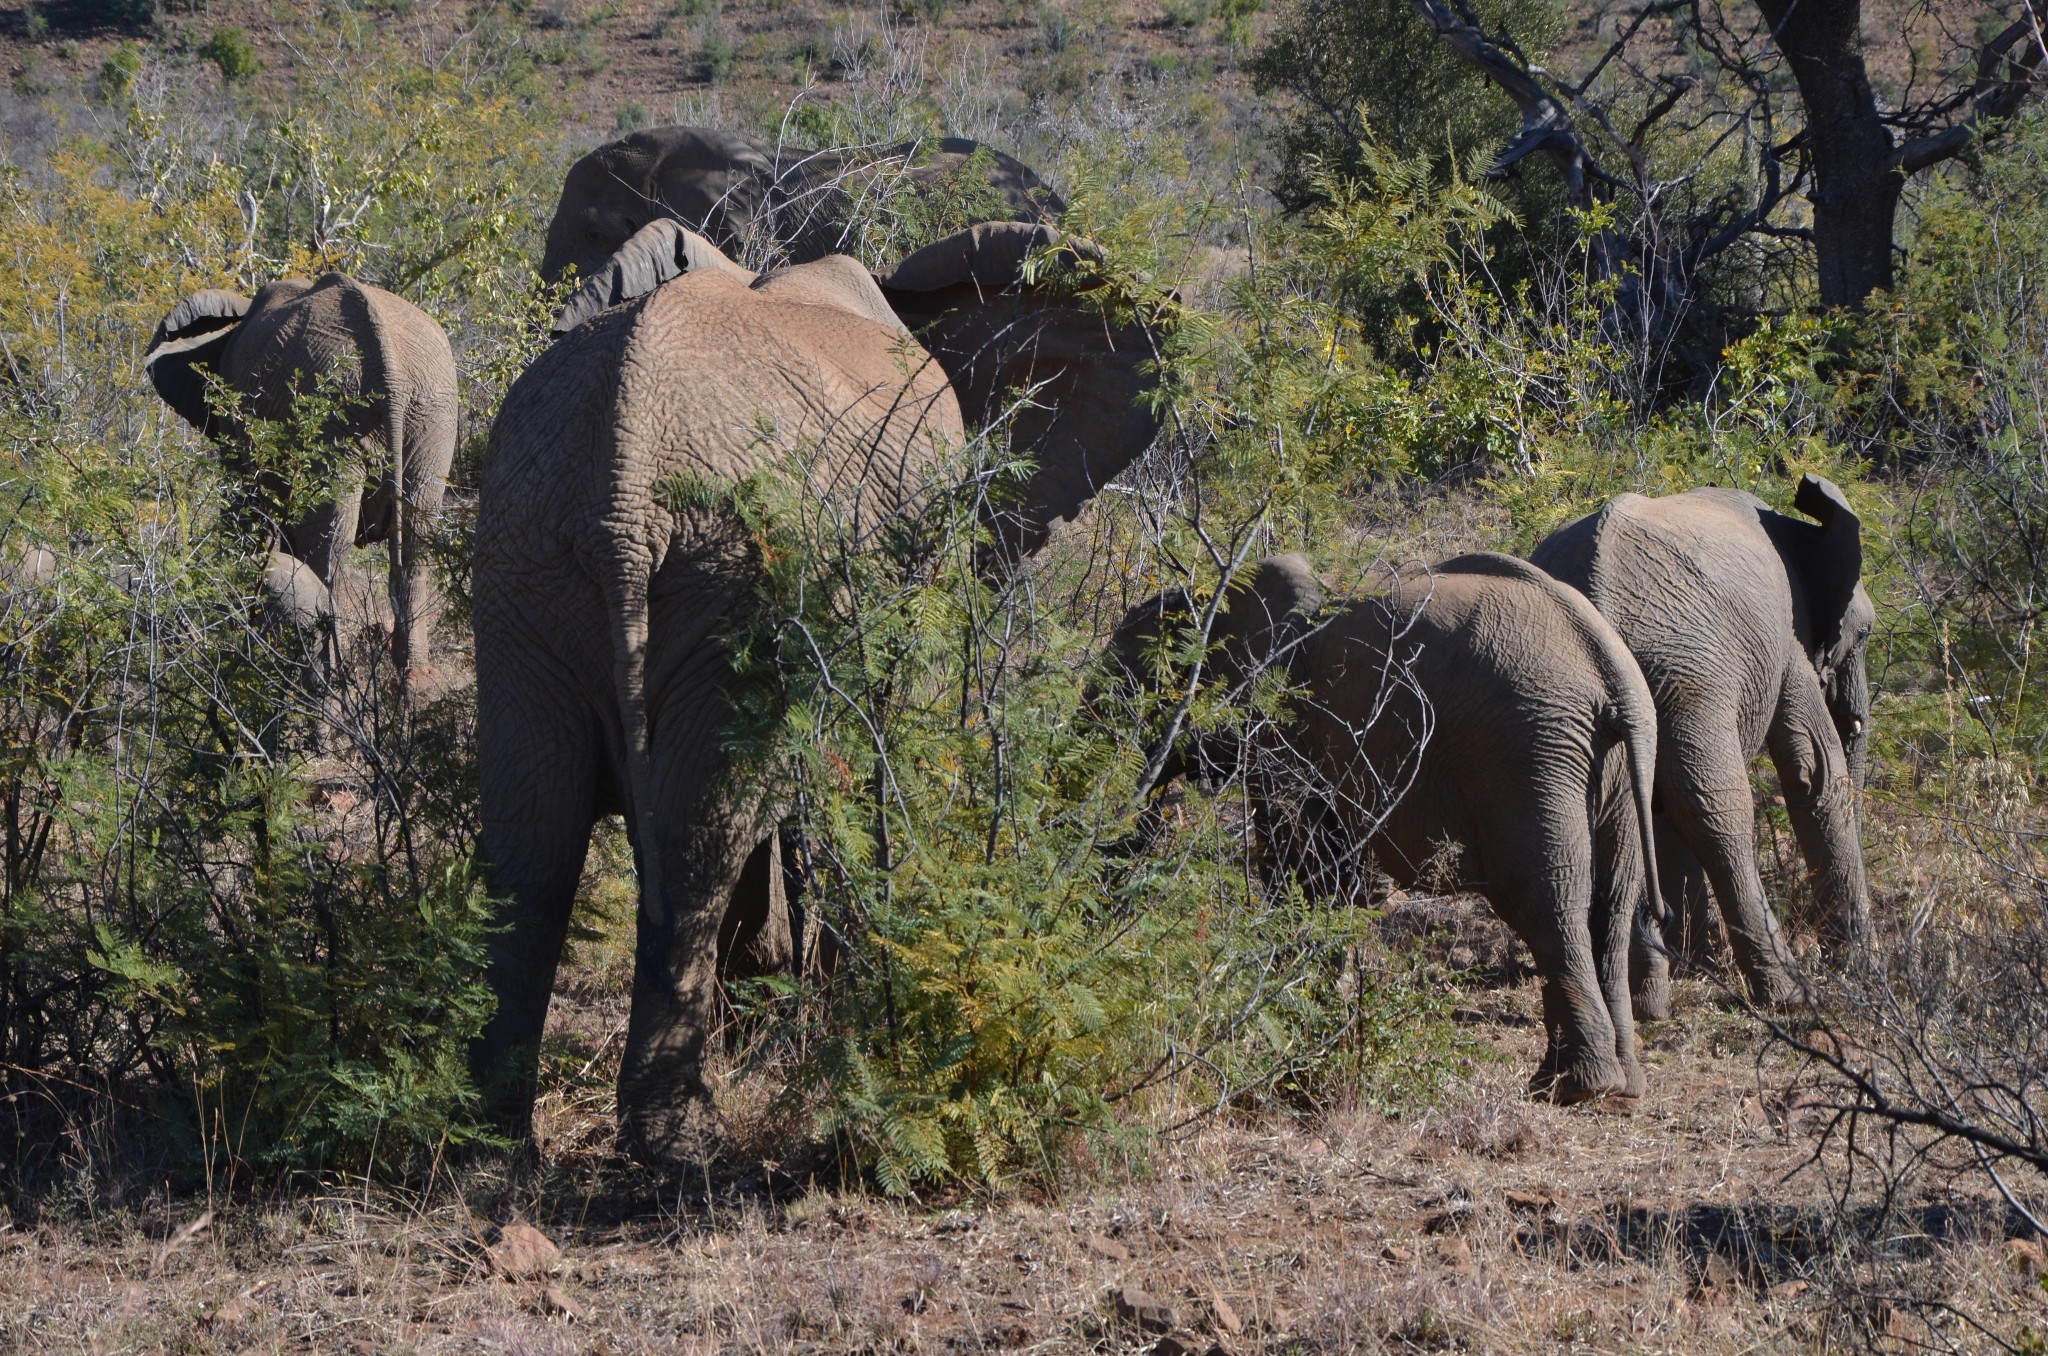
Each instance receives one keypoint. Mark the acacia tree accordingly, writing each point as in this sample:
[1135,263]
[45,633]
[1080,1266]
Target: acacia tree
[1699,125]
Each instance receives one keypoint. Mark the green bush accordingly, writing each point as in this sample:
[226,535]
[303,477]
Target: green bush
[231,51]
[716,57]
[235,897]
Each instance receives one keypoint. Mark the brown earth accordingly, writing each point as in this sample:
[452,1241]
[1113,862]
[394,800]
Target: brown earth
[1694,1221]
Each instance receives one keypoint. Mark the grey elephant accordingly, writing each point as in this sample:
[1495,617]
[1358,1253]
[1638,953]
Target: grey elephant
[601,598]
[1479,704]
[735,190]
[397,376]
[1751,627]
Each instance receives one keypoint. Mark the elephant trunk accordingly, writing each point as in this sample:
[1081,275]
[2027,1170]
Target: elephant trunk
[1849,705]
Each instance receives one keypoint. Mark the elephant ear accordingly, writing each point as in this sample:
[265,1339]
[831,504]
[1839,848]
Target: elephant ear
[1266,620]
[657,253]
[1015,329]
[187,345]
[1834,564]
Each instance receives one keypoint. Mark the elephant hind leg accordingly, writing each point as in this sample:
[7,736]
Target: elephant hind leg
[705,844]
[538,760]
[1711,805]
[1582,1061]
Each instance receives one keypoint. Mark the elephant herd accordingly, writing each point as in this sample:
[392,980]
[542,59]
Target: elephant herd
[1579,727]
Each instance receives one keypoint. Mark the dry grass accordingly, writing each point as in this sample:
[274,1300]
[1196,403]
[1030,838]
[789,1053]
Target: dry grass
[1491,1224]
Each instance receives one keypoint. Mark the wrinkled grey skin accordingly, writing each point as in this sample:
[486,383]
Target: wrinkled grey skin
[602,685]
[735,190]
[295,611]
[274,347]
[1536,739]
[1751,628]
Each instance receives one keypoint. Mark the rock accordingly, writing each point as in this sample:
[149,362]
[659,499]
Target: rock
[1140,1308]
[1453,1217]
[2026,1257]
[1394,1252]
[555,1302]
[1225,1316]
[1789,1290]
[1109,1248]
[1718,1277]
[1455,1253]
[233,1313]
[522,1252]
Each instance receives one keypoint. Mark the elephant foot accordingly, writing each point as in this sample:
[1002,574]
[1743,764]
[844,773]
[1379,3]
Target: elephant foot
[677,1133]
[1589,1078]
[1774,990]
[423,683]
[1651,999]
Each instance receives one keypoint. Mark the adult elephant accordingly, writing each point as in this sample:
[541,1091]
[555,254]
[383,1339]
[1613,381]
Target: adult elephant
[396,386]
[602,591]
[1480,704]
[738,190]
[1751,627]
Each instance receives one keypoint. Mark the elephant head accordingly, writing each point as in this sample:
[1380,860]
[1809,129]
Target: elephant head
[1265,615]
[1838,614]
[714,182]
[187,346]
[730,187]
[1263,619]
[654,254]
[1004,307]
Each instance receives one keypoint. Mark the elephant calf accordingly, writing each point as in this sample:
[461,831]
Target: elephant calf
[1525,737]
[274,348]
[1751,628]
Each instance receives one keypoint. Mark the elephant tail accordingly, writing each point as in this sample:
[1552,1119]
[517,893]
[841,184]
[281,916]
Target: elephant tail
[380,373]
[628,578]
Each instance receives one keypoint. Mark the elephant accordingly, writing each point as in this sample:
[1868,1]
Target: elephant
[1751,627]
[296,611]
[1479,704]
[393,362]
[602,598]
[738,190]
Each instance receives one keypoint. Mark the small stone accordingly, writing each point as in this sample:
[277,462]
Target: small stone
[555,1302]
[523,1252]
[1139,1307]
[1225,1316]
[1456,1216]
[1455,1253]
[233,1313]
[1394,1252]
[1108,1248]
[1718,1277]
[1789,1290]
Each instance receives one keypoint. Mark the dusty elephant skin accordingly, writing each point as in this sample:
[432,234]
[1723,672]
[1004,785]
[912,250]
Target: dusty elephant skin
[1524,735]
[1751,628]
[600,600]
[736,189]
[275,347]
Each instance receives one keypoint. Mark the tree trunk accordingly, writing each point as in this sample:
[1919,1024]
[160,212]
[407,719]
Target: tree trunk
[1856,185]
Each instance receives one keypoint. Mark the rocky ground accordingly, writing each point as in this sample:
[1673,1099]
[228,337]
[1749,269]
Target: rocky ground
[1699,1220]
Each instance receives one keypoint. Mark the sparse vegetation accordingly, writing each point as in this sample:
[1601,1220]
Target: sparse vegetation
[241,919]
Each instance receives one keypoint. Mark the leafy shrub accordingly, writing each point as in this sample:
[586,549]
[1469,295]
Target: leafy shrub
[716,57]
[237,897]
[231,50]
